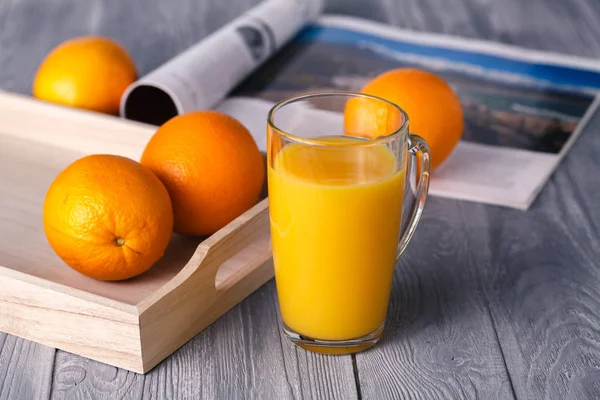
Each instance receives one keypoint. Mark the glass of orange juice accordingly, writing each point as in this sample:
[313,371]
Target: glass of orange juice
[337,173]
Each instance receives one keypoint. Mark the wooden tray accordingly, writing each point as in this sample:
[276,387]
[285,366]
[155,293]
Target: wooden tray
[133,324]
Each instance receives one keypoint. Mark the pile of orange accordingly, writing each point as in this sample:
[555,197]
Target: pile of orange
[111,218]
[198,172]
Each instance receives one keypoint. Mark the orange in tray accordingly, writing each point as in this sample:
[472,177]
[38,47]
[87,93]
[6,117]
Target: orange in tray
[85,72]
[434,110]
[108,217]
[211,167]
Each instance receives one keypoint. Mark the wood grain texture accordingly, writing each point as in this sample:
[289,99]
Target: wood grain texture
[533,277]
[192,300]
[243,355]
[543,280]
[25,369]
[439,341]
[562,26]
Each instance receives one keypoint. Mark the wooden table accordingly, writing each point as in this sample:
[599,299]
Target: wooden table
[488,303]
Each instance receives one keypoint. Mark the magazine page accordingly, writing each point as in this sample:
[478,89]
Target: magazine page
[523,109]
[201,76]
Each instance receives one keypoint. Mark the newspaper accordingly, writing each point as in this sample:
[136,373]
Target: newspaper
[523,109]
[202,76]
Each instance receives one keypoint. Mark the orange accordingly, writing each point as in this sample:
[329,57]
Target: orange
[370,118]
[108,217]
[434,110]
[85,72]
[211,167]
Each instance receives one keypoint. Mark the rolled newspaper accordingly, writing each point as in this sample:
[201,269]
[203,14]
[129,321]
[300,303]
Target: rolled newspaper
[200,77]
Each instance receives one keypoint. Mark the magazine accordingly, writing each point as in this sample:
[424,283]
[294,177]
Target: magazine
[523,109]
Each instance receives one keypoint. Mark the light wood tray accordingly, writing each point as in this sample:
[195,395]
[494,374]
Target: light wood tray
[133,324]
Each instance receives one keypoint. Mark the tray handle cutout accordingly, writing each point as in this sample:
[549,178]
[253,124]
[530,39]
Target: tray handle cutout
[241,264]
[242,250]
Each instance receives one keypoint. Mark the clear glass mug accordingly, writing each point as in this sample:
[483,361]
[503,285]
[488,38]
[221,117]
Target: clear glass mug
[337,171]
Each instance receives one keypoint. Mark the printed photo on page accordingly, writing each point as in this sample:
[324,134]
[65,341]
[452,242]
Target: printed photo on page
[523,109]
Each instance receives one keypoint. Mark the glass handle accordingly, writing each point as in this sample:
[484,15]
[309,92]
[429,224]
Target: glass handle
[418,147]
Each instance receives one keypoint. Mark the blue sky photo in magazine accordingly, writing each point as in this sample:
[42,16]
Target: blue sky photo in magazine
[506,102]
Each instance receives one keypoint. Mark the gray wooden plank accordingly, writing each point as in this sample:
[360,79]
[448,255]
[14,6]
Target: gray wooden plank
[439,340]
[25,369]
[539,269]
[564,26]
[80,378]
[241,356]
[543,279]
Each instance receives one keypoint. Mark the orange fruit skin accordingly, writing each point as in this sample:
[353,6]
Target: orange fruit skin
[211,167]
[369,118]
[97,200]
[434,110]
[86,72]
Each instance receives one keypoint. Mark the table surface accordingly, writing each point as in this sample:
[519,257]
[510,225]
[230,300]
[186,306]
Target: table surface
[487,302]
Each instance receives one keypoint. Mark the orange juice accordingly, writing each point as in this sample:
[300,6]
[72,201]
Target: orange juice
[335,223]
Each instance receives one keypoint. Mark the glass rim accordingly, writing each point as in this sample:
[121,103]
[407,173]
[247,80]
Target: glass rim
[319,142]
